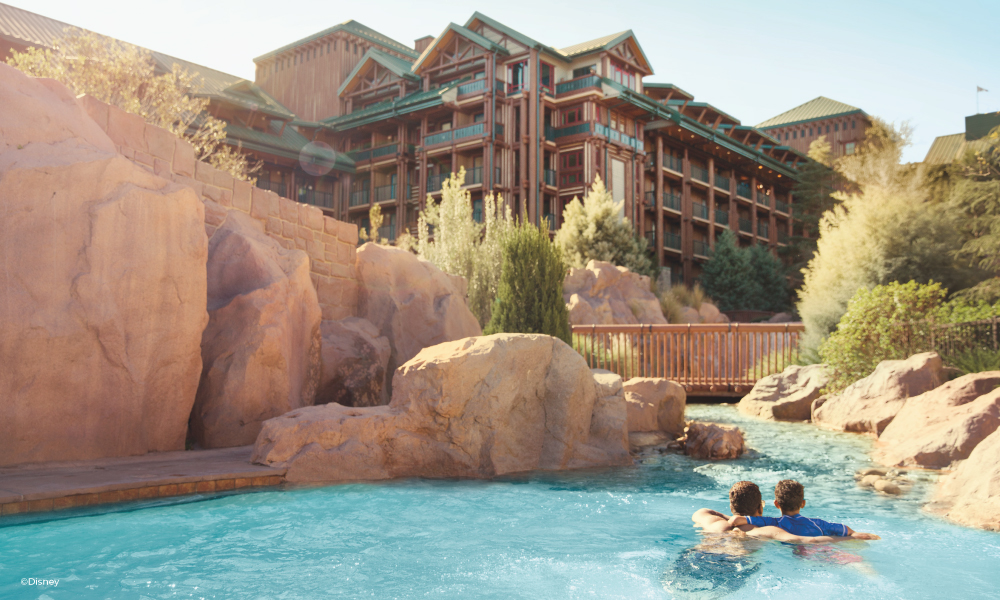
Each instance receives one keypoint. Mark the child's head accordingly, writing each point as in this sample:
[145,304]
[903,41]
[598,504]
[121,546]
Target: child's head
[789,496]
[745,499]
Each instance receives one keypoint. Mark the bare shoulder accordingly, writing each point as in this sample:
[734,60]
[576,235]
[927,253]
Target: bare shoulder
[710,520]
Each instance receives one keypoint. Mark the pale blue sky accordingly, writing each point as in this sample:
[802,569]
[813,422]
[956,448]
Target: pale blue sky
[917,60]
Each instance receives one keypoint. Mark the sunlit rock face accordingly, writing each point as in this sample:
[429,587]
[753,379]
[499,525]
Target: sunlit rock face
[102,290]
[971,494]
[786,396]
[604,294]
[476,407]
[655,404]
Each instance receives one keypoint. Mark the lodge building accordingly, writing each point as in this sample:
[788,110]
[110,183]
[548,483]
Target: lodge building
[843,126]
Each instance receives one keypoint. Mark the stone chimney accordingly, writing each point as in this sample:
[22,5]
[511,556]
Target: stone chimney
[421,44]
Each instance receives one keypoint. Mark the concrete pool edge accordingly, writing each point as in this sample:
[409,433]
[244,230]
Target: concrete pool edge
[49,487]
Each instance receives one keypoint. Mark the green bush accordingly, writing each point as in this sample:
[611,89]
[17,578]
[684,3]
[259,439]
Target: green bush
[963,310]
[977,360]
[888,322]
[530,296]
[744,278]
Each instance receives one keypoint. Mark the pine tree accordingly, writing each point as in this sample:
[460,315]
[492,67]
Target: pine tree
[530,296]
[769,276]
[727,277]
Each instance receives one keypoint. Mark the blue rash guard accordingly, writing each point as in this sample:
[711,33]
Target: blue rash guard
[799,525]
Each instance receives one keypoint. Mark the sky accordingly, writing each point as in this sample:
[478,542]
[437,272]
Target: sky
[916,61]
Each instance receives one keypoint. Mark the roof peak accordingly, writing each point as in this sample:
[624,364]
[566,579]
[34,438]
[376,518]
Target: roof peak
[819,107]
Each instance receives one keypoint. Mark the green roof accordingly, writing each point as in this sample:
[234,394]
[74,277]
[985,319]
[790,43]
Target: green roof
[946,149]
[517,35]
[465,32]
[665,86]
[397,66]
[352,27]
[285,142]
[818,108]
[406,104]
[603,43]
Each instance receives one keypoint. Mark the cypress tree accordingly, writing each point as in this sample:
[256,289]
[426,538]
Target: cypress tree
[530,299]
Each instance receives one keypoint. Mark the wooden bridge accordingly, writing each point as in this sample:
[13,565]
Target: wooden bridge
[708,360]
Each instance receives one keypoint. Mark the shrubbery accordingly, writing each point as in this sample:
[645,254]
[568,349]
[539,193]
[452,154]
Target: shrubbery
[744,278]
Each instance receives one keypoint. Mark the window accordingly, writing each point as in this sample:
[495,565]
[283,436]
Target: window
[548,74]
[517,77]
[328,47]
[828,129]
[623,76]
[614,121]
[810,131]
[795,134]
[849,148]
[334,45]
[786,136]
[478,118]
[571,179]
[853,123]
[584,71]
[572,115]
[572,160]
[836,126]
[355,49]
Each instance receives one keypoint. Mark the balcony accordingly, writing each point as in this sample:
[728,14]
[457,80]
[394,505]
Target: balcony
[673,163]
[474,176]
[649,200]
[551,219]
[470,131]
[321,199]
[434,182]
[472,87]
[762,229]
[699,210]
[672,241]
[358,198]
[781,206]
[385,193]
[387,150]
[550,177]
[360,155]
[499,86]
[699,173]
[387,232]
[275,186]
[550,133]
[498,130]
[701,248]
[763,199]
[744,191]
[721,217]
[746,226]
[578,84]
[437,138]
[672,201]
[572,130]
[722,182]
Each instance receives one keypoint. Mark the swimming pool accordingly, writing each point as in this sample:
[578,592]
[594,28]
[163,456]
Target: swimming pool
[588,534]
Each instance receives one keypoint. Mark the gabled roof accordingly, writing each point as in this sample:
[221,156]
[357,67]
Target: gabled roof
[397,106]
[17,24]
[280,140]
[946,149]
[396,66]
[513,33]
[352,27]
[605,43]
[656,88]
[456,29]
[817,108]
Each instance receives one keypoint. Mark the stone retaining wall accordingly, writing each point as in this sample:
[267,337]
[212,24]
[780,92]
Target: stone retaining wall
[329,243]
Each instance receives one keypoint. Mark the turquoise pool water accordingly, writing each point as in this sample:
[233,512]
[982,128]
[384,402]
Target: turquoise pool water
[596,534]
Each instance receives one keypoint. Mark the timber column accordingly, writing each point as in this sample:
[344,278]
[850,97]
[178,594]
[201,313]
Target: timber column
[687,230]
[711,202]
[658,203]
[534,96]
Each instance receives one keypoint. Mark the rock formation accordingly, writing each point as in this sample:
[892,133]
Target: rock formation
[655,404]
[604,294]
[868,405]
[938,427]
[103,288]
[786,396]
[476,407]
[711,441]
[411,302]
[355,361]
[971,495]
[261,349]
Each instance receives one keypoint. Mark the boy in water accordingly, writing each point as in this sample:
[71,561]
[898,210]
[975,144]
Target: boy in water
[789,498]
[745,499]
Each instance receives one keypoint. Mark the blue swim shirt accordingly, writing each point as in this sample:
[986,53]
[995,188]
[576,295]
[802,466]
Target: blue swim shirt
[799,525]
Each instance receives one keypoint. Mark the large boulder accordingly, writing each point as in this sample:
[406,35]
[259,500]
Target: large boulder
[261,349]
[355,361]
[604,294]
[655,404]
[971,494]
[411,302]
[786,396]
[712,441]
[869,404]
[476,407]
[102,288]
[938,427]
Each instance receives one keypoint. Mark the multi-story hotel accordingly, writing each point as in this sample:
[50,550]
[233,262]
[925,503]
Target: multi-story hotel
[530,122]
[843,125]
[947,149]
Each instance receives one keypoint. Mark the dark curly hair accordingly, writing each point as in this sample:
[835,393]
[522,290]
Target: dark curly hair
[744,498]
[789,495]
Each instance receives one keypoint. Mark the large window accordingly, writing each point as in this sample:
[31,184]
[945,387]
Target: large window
[623,76]
[572,115]
[584,71]
[517,76]
[548,77]
[571,172]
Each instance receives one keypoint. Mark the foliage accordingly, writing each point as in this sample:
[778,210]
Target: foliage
[813,197]
[744,278]
[375,223]
[593,230]
[887,322]
[987,291]
[462,246]
[611,352]
[888,231]
[963,310]
[977,196]
[124,75]
[677,297]
[776,362]
[530,297]
[768,274]
[976,360]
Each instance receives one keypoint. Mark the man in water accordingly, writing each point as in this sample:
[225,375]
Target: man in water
[745,500]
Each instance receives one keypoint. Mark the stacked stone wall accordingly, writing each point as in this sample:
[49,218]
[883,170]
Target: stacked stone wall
[330,243]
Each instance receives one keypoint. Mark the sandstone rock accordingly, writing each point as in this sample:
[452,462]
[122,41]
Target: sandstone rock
[943,425]
[476,407]
[872,471]
[868,405]
[103,288]
[713,441]
[887,487]
[639,441]
[782,317]
[971,495]
[604,294]
[261,349]
[655,404]
[869,480]
[411,302]
[355,358]
[689,315]
[786,396]
[710,314]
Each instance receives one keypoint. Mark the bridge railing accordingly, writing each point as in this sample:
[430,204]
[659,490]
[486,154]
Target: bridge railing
[716,359]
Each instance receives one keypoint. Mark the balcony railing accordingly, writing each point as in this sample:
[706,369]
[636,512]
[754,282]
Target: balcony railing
[722,182]
[384,150]
[550,133]
[387,232]
[672,240]
[701,248]
[471,87]
[673,163]
[721,216]
[360,155]
[699,173]
[474,176]
[578,84]
[699,210]
[359,198]
[763,199]
[438,138]
[572,130]
[672,201]
[499,86]
[498,129]
[781,206]
[323,199]
[746,226]
[385,192]
[743,190]
[275,186]
[471,130]
[762,229]
[434,182]
[550,177]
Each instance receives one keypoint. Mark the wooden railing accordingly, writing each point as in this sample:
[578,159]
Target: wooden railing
[721,359]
